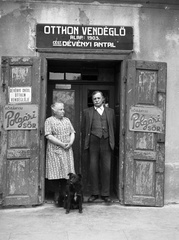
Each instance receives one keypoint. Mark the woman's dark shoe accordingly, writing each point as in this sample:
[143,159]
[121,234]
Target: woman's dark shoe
[92,198]
[106,199]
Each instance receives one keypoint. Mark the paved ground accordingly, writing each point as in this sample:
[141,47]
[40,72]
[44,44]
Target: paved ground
[97,222]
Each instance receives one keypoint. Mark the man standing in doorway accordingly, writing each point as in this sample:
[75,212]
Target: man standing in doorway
[99,128]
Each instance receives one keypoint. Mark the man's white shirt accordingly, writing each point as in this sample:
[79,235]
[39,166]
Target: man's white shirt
[99,109]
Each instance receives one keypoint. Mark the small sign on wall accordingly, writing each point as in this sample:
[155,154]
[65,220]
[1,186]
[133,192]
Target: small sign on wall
[146,119]
[62,86]
[20,117]
[20,94]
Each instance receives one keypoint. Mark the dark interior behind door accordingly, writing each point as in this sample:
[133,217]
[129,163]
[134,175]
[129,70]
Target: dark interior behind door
[73,82]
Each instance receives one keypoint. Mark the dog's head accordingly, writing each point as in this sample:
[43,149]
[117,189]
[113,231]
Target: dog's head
[74,178]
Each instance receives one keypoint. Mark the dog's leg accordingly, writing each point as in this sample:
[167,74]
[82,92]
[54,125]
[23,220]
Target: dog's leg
[65,202]
[69,199]
[68,204]
[80,203]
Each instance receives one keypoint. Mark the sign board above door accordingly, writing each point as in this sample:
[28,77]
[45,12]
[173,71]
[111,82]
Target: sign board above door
[84,37]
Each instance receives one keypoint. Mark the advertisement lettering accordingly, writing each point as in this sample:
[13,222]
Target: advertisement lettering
[21,117]
[146,119]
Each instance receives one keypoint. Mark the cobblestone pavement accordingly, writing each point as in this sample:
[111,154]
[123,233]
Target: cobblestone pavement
[97,222]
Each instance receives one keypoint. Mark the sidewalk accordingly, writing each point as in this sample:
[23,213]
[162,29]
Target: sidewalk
[97,222]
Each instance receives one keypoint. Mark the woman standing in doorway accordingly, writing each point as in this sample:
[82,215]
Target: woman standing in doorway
[60,136]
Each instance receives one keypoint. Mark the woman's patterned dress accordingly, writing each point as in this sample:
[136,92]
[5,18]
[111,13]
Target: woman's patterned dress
[59,162]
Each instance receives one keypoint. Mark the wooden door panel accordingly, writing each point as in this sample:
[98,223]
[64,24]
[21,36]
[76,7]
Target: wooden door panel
[17,184]
[17,138]
[21,75]
[146,87]
[144,177]
[144,141]
[21,146]
[144,151]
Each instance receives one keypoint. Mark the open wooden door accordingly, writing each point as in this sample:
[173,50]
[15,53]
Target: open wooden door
[145,133]
[20,133]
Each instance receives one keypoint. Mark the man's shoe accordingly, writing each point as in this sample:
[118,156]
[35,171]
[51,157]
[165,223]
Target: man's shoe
[93,198]
[106,199]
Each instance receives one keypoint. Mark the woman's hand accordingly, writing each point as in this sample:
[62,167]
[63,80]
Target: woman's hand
[68,145]
[64,145]
[56,141]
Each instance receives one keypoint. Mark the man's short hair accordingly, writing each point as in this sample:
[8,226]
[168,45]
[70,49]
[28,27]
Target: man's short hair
[95,92]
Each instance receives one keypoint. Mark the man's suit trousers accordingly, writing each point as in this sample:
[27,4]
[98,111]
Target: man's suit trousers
[100,165]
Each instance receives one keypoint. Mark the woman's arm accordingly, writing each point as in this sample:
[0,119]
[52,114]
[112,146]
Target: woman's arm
[56,141]
[72,138]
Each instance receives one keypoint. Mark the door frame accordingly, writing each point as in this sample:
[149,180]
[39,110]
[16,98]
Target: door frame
[121,56]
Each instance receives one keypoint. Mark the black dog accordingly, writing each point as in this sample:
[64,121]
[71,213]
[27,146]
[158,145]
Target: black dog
[74,193]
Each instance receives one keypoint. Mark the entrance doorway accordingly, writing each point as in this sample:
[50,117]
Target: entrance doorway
[73,82]
[139,88]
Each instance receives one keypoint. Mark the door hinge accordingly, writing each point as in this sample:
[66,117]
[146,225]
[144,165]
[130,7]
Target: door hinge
[3,86]
[41,131]
[3,75]
[124,79]
[42,78]
[123,131]
[40,186]
[160,138]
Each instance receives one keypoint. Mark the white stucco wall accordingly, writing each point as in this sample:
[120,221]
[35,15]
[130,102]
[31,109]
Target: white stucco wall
[159,37]
[156,38]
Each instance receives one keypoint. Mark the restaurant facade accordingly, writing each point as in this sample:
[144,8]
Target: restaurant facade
[63,51]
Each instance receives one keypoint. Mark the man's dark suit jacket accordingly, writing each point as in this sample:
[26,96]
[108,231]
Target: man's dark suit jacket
[87,122]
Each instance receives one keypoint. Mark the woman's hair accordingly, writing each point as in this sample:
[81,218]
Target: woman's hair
[54,106]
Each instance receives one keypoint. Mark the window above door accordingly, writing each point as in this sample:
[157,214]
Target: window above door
[97,71]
